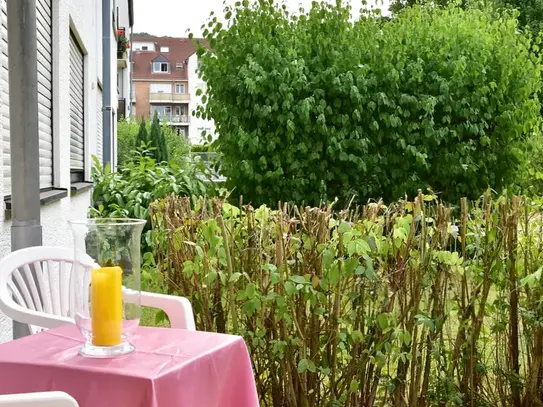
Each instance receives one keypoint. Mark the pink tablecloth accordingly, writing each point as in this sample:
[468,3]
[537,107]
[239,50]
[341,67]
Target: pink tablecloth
[171,368]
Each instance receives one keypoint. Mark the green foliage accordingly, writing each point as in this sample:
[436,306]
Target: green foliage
[143,136]
[377,306]
[127,134]
[530,175]
[127,140]
[177,146]
[311,107]
[530,14]
[128,192]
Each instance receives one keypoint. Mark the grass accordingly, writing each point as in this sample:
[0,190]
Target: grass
[149,318]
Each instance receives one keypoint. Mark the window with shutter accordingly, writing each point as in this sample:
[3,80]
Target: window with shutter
[77,116]
[4,97]
[99,126]
[44,24]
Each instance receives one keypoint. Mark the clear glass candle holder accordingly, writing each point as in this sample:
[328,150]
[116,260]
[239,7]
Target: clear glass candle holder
[106,284]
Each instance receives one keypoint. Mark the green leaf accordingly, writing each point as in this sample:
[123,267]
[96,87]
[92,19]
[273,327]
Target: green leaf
[234,277]
[406,337]
[350,265]
[251,307]
[344,227]
[298,279]
[290,288]
[382,320]
[357,336]
[354,386]
[306,365]
[250,291]
[532,279]
[369,271]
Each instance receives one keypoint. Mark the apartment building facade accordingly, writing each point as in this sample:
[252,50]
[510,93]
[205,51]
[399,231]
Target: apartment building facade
[165,81]
[71,97]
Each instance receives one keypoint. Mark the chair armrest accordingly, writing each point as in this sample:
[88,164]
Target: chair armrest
[45,399]
[178,309]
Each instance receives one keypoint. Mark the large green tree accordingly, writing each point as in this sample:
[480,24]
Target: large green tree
[314,107]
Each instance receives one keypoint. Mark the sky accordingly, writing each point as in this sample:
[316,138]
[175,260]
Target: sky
[175,17]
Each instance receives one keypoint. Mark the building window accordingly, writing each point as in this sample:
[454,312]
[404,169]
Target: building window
[179,65]
[161,88]
[182,131]
[179,88]
[144,48]
[164,49]
[163,112]
[77,114]
[162,67]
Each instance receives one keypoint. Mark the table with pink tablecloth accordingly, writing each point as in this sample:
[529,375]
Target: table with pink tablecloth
[171,368]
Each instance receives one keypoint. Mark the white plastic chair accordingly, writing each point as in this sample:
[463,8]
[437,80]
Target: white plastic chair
[43,302]
[47,399]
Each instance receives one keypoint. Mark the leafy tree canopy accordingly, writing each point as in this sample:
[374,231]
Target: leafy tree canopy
[311,107]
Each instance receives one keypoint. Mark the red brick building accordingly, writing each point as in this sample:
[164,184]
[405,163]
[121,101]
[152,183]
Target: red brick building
[160,77]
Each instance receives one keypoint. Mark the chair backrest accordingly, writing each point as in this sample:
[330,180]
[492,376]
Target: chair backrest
[47,399]
[35,289]
[35,286]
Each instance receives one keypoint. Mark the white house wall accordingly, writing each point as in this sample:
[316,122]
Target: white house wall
[196,123]
[84,18]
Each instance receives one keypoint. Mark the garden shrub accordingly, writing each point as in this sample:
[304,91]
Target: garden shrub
[127,135]
[128,192]
[313,106]
[406,305]
[200,148]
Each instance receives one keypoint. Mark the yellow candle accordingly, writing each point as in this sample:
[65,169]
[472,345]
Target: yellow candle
[106,306]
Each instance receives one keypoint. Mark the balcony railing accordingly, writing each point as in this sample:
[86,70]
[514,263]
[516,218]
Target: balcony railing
[168,97]
[173,119]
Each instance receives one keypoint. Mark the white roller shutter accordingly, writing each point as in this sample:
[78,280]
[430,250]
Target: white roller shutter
[99,126]
[44,23]
[45,95]
[4,97]
[77,115]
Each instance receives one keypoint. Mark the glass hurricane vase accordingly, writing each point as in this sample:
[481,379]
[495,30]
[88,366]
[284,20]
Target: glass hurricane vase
[106,284]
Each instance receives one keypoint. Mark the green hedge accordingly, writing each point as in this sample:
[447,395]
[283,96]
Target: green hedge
[199,148]
[311,107]
[412,304]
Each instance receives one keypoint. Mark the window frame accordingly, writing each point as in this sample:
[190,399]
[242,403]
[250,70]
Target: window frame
[182,87]
[160,64]
[163,111]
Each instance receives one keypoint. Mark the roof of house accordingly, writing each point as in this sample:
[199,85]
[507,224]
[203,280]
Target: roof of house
[180,49]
